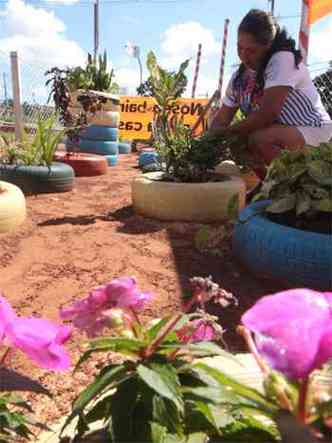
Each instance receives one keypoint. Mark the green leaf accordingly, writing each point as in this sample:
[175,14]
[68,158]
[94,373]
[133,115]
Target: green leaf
[206,349]
[282,205]
[238,388]
[166,413]
[122,410]
[127,346]
[321,171]
[324,205]
[205,410]
[233,207]
[162,378]
[109,379]
[211,394]
[303,202]
[158,433]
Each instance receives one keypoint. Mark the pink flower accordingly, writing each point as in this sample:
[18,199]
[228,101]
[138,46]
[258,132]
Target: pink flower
[293,330]
[93,313]
[124,294]
[7,314]
[39,339]
[197,330]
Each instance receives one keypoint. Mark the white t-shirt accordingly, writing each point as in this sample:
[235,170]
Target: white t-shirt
[303,105]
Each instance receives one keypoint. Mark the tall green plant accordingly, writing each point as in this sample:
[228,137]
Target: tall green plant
[34,149]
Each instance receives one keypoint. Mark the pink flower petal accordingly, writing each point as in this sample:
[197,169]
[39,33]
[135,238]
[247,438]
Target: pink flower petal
[289,327]
[7,314]
[41,341]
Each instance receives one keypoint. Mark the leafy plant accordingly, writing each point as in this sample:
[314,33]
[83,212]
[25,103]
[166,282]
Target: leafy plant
[160,389]
[186,157]
[300,182]
[34,149]
[94,76]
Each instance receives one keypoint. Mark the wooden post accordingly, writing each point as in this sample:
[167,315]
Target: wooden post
[16,85]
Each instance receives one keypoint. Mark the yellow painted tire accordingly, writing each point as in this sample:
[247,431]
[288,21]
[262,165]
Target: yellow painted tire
[12,207]
[196,202]
[228,167]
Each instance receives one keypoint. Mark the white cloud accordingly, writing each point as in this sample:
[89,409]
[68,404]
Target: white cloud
[320,43]
[180,41]
[128,78]
[38,36]
[62,2]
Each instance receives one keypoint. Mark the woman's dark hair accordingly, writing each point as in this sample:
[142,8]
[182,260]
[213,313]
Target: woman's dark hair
[265,30]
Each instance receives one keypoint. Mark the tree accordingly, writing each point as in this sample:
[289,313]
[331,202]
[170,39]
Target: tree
[323,83]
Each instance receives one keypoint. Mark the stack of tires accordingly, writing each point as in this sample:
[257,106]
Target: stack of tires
[102,135]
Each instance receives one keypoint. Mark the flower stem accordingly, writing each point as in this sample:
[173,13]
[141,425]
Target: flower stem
[302,413]
[5,356]
[149,350]
[246,334]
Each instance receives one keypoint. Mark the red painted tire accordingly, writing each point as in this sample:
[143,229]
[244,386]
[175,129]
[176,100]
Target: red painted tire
[84,165]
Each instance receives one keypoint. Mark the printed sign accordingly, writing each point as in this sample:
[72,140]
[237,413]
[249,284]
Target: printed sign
[137,115]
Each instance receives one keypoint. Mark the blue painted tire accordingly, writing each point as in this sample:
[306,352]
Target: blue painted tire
[286,254]
[94,132]
[99,147]
[112,160]
[146,158]
[124,148]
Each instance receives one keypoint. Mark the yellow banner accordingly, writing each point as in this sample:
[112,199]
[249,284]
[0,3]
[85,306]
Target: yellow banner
[137,115]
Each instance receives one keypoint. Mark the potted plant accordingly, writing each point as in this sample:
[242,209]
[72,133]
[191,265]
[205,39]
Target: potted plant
[86,100]
[29,163]
[186,188]
[240,162]
[287,233]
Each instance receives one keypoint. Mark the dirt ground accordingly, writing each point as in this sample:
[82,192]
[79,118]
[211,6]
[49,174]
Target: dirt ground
[72,242]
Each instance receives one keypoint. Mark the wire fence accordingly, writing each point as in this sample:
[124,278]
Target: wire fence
[34,94]
[323,82]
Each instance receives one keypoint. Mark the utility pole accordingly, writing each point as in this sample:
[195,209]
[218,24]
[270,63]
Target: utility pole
[96,28]
[271,4]
[4,75]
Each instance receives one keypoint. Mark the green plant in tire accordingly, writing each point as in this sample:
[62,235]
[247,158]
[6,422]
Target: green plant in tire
[300,182]
[185,157]
[35,149]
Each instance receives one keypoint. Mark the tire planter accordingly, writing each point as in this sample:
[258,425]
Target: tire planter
[12,207]
[59,177]
[105,118]
[147,157]
[101,133]
[124,147]
[228,167]
[197,202]
[112,160]
[280,252]
[83,164]
[99,147]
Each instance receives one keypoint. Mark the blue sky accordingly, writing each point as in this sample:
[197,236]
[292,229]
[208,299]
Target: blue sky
[60,32]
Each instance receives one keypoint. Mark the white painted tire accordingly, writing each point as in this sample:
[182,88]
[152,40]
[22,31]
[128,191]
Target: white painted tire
[12,207]
[105,118]
[197,202]
[228,167]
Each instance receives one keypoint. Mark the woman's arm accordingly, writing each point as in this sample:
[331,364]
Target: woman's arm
[222,119]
